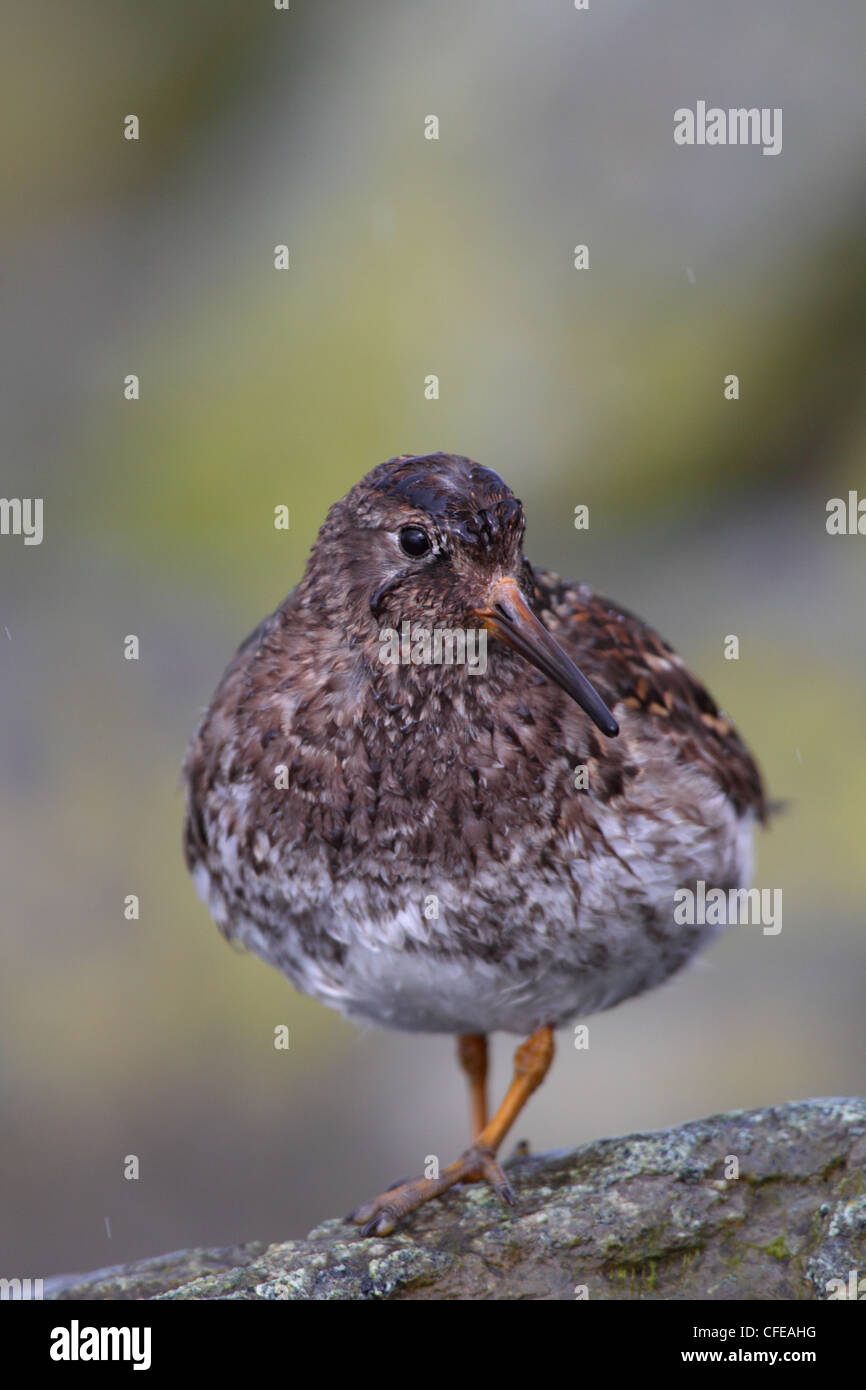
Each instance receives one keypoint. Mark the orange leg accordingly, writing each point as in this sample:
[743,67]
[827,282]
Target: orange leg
[531,1064]
[472,1052]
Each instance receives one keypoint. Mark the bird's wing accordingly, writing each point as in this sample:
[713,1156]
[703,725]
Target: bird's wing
[632,667]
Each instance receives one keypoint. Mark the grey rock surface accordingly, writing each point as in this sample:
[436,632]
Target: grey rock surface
[648,1216]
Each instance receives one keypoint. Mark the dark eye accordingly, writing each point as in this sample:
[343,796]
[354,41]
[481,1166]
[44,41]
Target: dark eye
[414,541]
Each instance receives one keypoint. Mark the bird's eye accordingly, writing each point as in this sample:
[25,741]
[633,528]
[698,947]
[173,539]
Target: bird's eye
[414,541]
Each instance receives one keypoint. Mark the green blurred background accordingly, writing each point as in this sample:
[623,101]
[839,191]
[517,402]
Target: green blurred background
[603,387]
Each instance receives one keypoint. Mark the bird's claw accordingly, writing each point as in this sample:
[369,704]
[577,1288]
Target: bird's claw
[380,1216]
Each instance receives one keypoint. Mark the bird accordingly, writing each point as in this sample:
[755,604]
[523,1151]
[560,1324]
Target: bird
[439,847]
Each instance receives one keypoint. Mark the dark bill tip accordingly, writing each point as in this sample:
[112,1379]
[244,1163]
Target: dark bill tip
[510,618]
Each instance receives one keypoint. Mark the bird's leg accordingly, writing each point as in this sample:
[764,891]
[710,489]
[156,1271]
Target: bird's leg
[531,1064]
[472,1053]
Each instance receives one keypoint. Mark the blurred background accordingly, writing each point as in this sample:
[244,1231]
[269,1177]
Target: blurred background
[259,388]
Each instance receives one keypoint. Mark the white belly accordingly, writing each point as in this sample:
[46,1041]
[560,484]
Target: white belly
[600,932]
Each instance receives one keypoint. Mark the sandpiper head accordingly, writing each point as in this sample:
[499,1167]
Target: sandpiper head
[436,540]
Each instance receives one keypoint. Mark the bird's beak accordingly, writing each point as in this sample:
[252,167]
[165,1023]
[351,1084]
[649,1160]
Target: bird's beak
[508,616]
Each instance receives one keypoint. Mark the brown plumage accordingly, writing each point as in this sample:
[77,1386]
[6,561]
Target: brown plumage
[410,843]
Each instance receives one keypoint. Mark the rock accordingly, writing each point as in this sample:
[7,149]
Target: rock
[649,1216]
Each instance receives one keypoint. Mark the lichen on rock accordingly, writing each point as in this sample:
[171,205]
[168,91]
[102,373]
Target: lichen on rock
[649,1216]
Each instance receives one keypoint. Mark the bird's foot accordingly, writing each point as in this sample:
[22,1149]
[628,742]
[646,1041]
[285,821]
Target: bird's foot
[379,1216]
[531,1063]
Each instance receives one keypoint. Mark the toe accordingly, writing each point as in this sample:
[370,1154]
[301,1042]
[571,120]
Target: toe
[493,1174]
[382,1224]
[380,1216]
